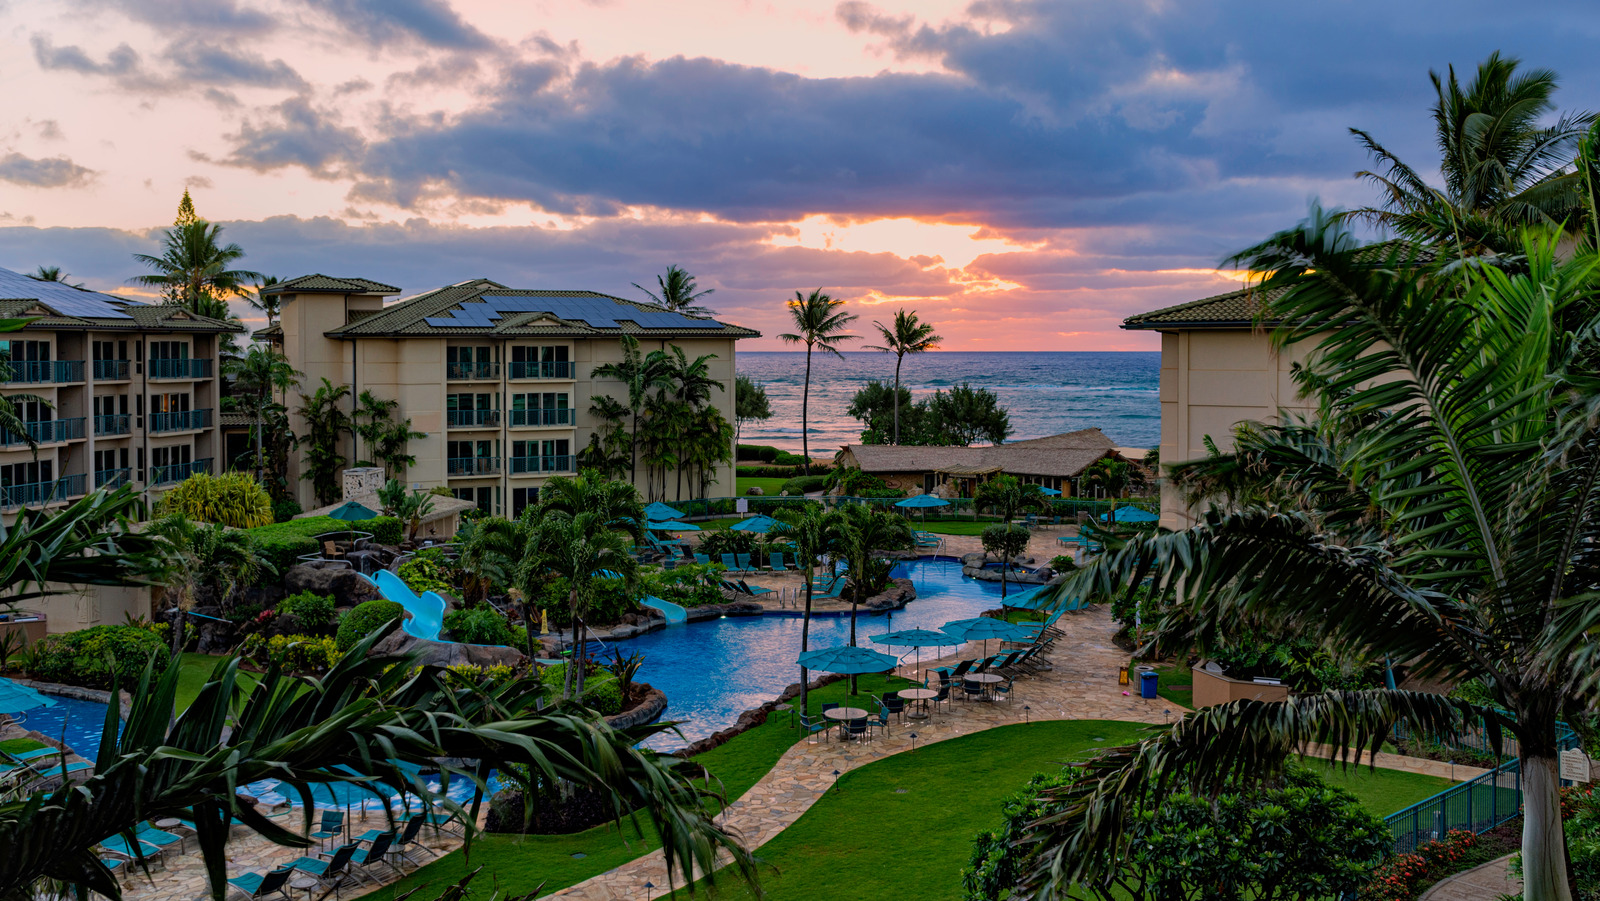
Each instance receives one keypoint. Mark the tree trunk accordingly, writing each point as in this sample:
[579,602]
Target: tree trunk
[1005,565]
[897,361]
[805,443]
[1544,847]
[633,451]
[805,639]
[855,595]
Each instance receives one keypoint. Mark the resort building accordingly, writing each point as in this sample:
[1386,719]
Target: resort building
[499,379]
[1054,461]
[1218,368]
[112,391]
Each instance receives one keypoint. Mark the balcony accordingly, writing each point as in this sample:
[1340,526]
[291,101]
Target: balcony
[112,478]
[537,465]
[472,419]
[111,370]
[472,466]
[111,424]
[44,372]
[177,472]
[45,431]
[180,421]
[526,418]
[37,494]
[542,370]
[180,368]
[458,372]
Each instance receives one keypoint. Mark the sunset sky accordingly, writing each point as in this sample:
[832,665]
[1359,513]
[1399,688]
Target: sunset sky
[1024,174]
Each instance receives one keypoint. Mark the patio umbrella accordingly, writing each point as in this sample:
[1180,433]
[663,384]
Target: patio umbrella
[847,660]
[14,699]
[922,502]
[913,638]
[660,511]
[350,511]
[672,526]
[1050,492]
[1130,514]
[758,523]
[983,628]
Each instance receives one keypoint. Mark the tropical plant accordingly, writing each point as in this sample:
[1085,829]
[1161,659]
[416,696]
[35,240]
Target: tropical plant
[813,531]
[231,499]
[194,266]
[267,304]
[1443,510]
[1114,477]
[1505,165]
[257,373]
[89,657]
[375,715]
[965,415]
[610,447]
[386,440]
[326,425]
[750,404]
[90,541]
[1008,496]
[642,374]
[678,293]
[908,336]
[819,322]
[862,531]
[625,667]
[410,507]
[1006,541]
[53,274]
[364,619]
[205,555]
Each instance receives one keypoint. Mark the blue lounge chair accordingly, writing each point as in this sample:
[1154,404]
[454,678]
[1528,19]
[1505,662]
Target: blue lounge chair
[775,562]
[255,885]
[157,837]
[374,855]
[702,559]
[753,590]
[116,844]
[35,754]
[729,562]
[330,827]
[330,873]
[744,563]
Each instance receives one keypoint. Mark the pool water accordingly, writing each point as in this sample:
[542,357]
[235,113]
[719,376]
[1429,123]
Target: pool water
[77,724]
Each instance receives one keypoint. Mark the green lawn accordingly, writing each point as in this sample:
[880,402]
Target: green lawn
[1381,791]
[19,745]
[770,487]
[1174,683]
[195,669]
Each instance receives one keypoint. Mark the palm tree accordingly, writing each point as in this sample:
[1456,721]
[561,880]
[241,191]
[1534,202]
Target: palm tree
[256,375]
[814,532]
[205,555]
[269,305]
[386,439]
[1008,496]
[1440,511]
[819,321]
[91,541]
[678,293]
[909,336]
[53,274]
[1503,167]
[863,531]
[382,716]
[326,425]
[1114,476]
[691,386]
[194,267]
[641,373]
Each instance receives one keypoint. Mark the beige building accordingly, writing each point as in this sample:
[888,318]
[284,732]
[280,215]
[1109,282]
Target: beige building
[498,378]
[1218,368]
[1054,461]
[126,392]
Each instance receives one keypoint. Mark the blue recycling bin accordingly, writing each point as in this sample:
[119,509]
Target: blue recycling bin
[1147,684]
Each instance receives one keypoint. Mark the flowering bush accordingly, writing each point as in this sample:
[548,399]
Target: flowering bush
[1401,876]
[293,653]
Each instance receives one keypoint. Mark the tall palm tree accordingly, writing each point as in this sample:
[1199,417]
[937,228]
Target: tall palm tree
[1503,167]
[642,374]
[326,425]
[1441,510]
[691,387]
[1007,496]
[383,716]
[1114,476]
[205,555]
[678,293]
[819,321]
[194,267]
[909,336]
[863,531]
[256,375]
[269,305]
[814,532]
[53,274]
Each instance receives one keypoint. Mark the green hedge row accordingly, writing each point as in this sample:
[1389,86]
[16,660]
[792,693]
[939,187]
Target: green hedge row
[285,542]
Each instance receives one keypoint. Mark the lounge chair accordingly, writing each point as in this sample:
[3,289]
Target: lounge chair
[116,844]
[115,865]
[954,673]
[158,837]
[928,539]
[744,563]
[374,855]
[35,754]
[330,827]
[775,562]
[753,590]
[255,885]
[332,872]
[408,839]
[729,561]
[702,559]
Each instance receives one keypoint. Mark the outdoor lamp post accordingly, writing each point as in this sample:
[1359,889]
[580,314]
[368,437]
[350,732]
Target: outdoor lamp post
[1026,717]
[913,741]
[836,779]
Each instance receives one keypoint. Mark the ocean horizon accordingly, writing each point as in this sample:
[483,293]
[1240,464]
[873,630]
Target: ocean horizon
[1045,392]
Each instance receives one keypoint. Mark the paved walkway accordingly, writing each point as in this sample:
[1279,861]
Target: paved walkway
[1481,883]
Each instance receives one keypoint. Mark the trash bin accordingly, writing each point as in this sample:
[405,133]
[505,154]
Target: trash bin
[1147,684]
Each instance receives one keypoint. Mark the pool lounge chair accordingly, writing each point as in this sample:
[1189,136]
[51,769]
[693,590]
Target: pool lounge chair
[158,837]
[116,844]
[744,563]
[928,539]
[332,872]
[256,885]
[330,827]
[371,857]
[775,562]
[408,839]
[730,562]
[754,591]
[954,673]
[35,754]
[702,559]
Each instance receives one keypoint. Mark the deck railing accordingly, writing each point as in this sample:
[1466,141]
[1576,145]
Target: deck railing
[527,465]
[180,368]
[45,431]
[38,372]
[472,466]
[472,371]
[177,472]
[552,369]
[111,424]
[463,419]
[37,494]
[543,417]
[180,421]
[111,370]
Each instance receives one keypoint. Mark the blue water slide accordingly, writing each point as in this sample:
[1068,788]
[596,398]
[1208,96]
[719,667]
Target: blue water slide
[674,613]
[426,612]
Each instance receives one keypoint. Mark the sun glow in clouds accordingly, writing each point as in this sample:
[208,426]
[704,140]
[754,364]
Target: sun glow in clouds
[955,246]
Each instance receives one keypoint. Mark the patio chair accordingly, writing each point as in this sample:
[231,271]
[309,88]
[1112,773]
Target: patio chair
[331,873]
[943,695]
[371,857]
[775,562]
[894,704]
[954,673]
[702,559]
[330,827]
[331,551]
[730,562]
[255,885]
[1001,691]
[744,563]
[882,720]
[971,690]
[116,844]
[408,840]
[856,729]
[158,837]
[812,727]
[753,590]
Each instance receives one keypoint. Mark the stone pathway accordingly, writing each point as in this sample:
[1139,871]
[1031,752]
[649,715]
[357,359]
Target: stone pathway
[1481,883]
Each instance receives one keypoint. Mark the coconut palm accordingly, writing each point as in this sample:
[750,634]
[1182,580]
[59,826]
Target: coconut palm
[909,336]
[691,386]
[643,374]
[678,293]
[1112,476]
[382,716]
[326,425]
[862,532]
[1007,496]
[91,541]
[814,531]
[819,321]
[269,305]
[1440,510]
[195,267]
[256,375]
[1503,166]
[53,274]
[209,556]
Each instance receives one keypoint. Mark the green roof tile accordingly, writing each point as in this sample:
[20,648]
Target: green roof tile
[317,283]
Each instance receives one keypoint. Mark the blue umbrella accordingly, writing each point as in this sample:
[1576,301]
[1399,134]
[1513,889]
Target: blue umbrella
[1131,514]
[923,500]
[848,660]
[983,628]
[672,526]
[14,698]
[1050,492]
[350,511]
[660,511]
[758,523]
[914,638]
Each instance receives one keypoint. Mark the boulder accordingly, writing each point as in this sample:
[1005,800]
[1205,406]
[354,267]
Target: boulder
[756,491]
[447,653]
[217,636]
[345,586]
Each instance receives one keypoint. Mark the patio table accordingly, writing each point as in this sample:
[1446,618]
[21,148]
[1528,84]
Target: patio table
[987,680]
[846,713]
[922,696]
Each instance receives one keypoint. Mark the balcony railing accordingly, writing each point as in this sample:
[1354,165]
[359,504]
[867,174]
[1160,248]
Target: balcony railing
[180,368]
[463,419]
[473,466]
[111,424]
[549,369]
[542,417]
[111,370]
[111,478]
[460,371]
[38,372]
[180,421]
[37,494]
[45,431]
[525,465]
[177,472]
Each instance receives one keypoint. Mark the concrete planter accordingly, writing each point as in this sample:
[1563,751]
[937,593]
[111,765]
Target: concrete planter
[1211,689]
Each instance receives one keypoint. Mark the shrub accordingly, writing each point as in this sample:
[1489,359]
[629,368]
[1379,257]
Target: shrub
[1063,563]
[727,541]
[787,459]
[479,625]
[231,499]
[363,619]
[85,657]
[285,509]
[429,570]
[283,543]
[802,484]
[478,674]
[1400,877]
[755,452]
[601,692]
[685,586]
[314,610]
[293,653]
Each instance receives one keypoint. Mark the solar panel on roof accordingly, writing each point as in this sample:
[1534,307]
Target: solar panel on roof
[64,299]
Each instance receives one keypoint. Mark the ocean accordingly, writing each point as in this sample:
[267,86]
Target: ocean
[1044,392]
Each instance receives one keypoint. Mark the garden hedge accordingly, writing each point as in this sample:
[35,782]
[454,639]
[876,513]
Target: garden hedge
[85,657]
[283,543]
[364,619]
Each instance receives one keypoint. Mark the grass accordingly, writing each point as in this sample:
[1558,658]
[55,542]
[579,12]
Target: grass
[519,864]
[1174,683]
[19,745]
[769,486]
[194,670]
[1381,791]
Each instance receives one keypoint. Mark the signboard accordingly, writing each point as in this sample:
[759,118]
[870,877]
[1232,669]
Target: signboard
[1575,765]
[742,505]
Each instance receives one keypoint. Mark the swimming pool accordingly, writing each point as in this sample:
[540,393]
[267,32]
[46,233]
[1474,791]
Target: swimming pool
[76,723]
[713,671]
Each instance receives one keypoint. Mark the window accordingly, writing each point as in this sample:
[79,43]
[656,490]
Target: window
[176,455]
[483,497]
[110,404]
[169,403]
[521,498]
[29,473]
[479,354]
[544,408]
[32,411]
[542,362]
[169,350]
[469,401]
[29,351]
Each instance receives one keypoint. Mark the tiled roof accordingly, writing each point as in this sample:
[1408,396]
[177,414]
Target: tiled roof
[409,317]
[274,330]
[317,283]
[1091,438]
[1066,460]
[135,317]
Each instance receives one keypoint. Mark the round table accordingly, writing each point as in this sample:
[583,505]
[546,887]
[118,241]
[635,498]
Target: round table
[168,823]
[303,884]
[986,680]
[841,714]
[922,695]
